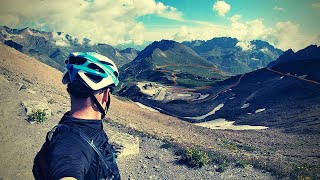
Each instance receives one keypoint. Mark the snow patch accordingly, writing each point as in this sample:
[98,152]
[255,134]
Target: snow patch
[260,110]
[31,33]
[245,105]
[60,39]
[61,43]
[202,96]
[264,50]
[303,76]
[281,77]
[255,59]
[12,36]
[224,124]
[232,98]
[161,53]
[184,95]
[208,114]
[245,45]
[118,54]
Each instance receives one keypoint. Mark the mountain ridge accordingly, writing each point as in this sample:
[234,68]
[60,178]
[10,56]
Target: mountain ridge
[309,52]
[275,152]
[170,62]
[233,56]
[53,47]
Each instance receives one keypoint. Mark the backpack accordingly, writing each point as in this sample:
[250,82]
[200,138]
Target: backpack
[107,167]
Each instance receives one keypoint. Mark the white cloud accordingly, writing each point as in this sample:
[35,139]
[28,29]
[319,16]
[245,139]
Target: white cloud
[276,8]
[316,5]
[221,7]
[288,35]
[285,35]
[245,45]
[115,22]
[248,30]
[202,32]
[243,31]
[108,21]
[235,18]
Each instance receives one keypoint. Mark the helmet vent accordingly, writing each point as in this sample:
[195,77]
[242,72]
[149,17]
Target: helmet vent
[95,67]
[106,63]
[77,60]
[94,78]
[116,73]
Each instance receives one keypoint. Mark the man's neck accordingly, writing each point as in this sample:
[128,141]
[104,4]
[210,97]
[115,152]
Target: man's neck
[88,114]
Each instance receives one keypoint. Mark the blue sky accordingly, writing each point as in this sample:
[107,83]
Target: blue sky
[283,23]
[297,11]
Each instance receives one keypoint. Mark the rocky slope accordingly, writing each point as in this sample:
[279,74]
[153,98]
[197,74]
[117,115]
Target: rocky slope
[27,79]
[171,63]
[311,52]
[284,97]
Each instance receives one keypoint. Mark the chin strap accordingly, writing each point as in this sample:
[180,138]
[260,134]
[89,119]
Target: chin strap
[102,111]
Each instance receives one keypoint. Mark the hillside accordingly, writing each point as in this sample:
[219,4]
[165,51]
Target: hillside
[52,48]
[233,56]
[271,150]
[24,80]
[311,52]
[287,95]
[171,63]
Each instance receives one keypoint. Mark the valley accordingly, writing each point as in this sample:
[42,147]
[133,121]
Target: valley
[266,117]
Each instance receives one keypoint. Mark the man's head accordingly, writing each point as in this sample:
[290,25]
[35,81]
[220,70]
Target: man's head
[90,77]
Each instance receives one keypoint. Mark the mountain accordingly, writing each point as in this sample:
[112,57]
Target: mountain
[285,97]
[129,53]
[310,52]
[171,63]
[234,56]
[52,48]
[266,154]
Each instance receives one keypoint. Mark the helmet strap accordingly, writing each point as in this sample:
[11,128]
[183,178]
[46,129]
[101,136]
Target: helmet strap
[102,111]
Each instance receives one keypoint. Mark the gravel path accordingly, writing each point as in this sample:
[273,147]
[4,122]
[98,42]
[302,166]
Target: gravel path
[155,162]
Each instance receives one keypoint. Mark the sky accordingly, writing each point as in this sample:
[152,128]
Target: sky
[283,23]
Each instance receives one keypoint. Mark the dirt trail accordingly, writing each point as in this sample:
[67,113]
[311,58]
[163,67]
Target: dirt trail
[213,68]
[174,77]
[157,68]
[290,75]
[212,96]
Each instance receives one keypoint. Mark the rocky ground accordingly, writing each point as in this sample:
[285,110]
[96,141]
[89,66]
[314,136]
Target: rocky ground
[23,78]
[156,162]
[21,140]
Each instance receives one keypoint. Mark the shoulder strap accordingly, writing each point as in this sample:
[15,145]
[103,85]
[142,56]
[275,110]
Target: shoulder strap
[86,138]
[78,131]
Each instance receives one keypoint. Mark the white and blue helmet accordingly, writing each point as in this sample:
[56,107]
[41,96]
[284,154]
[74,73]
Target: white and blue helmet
[95,70]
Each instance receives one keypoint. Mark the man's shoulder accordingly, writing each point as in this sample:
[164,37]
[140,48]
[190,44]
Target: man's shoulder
[64,136]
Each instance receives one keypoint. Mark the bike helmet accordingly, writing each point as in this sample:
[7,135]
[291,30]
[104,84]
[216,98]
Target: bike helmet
[95,70]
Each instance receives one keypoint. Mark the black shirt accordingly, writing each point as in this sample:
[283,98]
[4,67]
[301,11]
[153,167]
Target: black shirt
[70,156]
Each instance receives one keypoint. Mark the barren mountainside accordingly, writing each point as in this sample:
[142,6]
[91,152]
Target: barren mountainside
[171,63]
[264,154]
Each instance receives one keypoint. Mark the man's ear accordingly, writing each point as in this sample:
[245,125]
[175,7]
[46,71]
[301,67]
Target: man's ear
[105,96]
